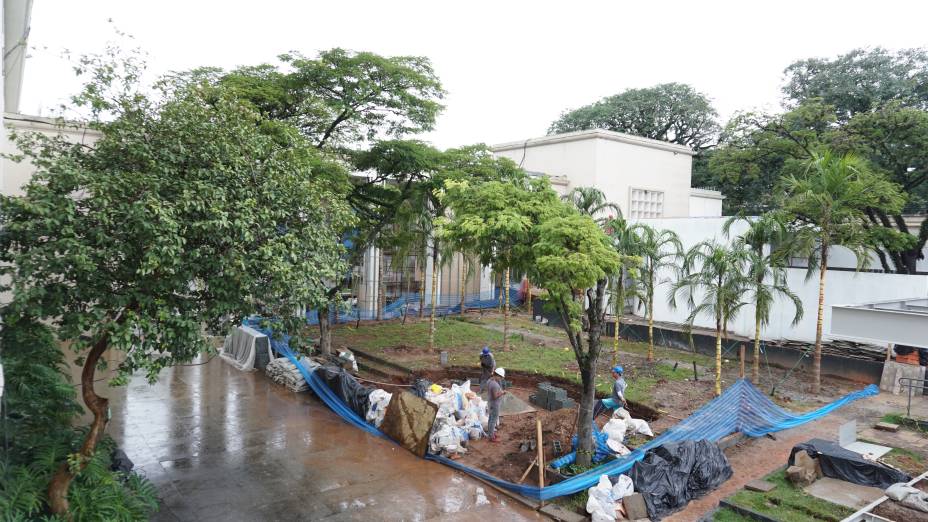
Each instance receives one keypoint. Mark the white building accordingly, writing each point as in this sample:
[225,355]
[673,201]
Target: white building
[646,178]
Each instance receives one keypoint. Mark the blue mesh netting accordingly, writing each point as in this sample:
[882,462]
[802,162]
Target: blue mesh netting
[409,303]
[741,407]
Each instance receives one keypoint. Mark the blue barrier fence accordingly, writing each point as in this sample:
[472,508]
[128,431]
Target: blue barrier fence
[409,303]
[741,408]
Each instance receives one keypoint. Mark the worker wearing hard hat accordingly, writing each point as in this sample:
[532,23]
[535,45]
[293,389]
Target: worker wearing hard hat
[487,365]
[494,397]
[617,399]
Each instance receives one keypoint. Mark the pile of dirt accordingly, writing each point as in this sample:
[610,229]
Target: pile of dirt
[504,459]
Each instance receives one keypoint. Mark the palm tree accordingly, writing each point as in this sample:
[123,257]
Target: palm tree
[592,202]
[768,229]
[625,242]
[715,273]
[658,250]
[827,205]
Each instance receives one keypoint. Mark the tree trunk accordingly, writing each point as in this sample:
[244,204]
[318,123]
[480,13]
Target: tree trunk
[99,406]
[817,356]
[651,325]
[585,417]
[463,282]
[755,365]
[618,309]
[434,298]
[422,284]
[718,357]
[325,331]
[506,314]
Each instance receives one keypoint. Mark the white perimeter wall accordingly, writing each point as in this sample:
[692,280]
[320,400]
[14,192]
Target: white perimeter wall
[841,288]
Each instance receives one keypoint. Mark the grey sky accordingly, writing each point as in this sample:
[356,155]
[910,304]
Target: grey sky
[509,67]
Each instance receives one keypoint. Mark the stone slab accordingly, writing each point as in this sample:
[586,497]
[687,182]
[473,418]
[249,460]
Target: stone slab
[887,426]
[760,485]
[560,514]
[408,420]
[843,493]
[635,507]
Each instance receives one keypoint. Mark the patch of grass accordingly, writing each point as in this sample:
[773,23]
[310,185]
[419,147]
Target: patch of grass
[789,503]
[576,502]
[907,460]
[727,515]
[893,418]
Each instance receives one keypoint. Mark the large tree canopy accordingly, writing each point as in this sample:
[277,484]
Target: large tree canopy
[860,81]
[673,112]
[184,213]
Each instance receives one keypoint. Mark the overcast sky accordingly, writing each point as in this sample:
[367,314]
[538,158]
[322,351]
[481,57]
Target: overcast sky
[509,67]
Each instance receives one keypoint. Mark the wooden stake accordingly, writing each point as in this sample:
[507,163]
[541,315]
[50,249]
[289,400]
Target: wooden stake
[742,361]
[541,454]
[529,468]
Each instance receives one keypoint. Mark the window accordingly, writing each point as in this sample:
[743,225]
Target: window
[646,204]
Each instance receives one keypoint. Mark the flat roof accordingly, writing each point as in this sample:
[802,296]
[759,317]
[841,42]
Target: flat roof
[897,321]
[590,134]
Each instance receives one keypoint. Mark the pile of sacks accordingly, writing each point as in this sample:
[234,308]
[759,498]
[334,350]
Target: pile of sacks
[379,400]
[605,502]
[283,372]
[908,496]
[621,425]
[462,416]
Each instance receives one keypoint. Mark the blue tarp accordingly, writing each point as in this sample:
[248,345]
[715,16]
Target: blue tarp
[741,408]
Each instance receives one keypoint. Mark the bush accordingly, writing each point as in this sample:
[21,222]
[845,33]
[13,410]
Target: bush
[39,405]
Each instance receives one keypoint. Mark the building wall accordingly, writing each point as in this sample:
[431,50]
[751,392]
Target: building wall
[17,174]
[705,205]
[842,287]
[613,163]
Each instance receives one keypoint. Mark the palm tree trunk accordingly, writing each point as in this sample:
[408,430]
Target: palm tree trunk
[618,309]
[718,357]
[651,321]
[434,298]
[817,357]
[380,285]
[421,271]
[506,315]
[755,366]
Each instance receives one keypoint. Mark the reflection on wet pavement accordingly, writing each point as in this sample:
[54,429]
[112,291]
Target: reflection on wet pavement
[225,445]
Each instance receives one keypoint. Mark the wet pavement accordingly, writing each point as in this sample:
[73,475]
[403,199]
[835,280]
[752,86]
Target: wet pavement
[220,444]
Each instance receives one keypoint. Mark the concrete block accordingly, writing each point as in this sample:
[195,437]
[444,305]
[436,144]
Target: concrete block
[887,426]
[759,485]
[635,507]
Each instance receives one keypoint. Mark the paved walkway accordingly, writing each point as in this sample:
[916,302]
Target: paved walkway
[225,445]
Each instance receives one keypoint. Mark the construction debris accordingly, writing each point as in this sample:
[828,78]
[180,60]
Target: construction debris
[283,372]
[603,498]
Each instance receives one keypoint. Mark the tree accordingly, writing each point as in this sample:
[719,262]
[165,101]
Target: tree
[574,261]
[185,213]
[659,250]
[494,220]
[355,107]
[672,112]
[625,242]
[828,207]
[860,81]
[590,201]
[715,274]
[769,229]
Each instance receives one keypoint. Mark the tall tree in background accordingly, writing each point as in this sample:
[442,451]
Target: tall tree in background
[766,271]
[659,250]
[828,207]
[354,107]
[713,273]
[185,213]
[590,201]
[672,112]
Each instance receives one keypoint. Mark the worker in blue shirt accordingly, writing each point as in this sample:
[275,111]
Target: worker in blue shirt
[617,399]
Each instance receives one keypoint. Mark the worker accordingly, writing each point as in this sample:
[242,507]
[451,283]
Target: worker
[494,398]
[487,365]
[617,399]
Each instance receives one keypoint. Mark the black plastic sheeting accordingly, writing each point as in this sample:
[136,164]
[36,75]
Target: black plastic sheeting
[347,388]
[671,475]
[849,466]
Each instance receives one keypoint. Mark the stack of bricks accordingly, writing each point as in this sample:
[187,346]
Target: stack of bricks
[551,397]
